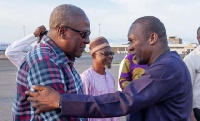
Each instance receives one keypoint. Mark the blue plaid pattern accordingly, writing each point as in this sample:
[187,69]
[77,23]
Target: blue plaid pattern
[46,64]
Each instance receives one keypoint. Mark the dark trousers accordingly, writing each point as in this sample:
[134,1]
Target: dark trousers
[197,113]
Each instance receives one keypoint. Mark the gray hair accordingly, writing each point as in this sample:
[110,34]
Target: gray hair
[64,14]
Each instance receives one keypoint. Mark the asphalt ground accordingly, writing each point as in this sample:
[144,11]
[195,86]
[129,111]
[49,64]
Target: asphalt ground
[8,76]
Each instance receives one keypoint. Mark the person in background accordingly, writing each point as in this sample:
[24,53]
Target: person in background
[97,80]
[15,51]
[130,70]
[162,93]
[51,63]
[192,60]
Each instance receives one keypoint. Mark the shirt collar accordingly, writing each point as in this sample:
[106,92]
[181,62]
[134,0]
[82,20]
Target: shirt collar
[161,56]
[61,55]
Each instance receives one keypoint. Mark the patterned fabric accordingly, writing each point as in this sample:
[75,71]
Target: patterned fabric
[46,64]
[130,71]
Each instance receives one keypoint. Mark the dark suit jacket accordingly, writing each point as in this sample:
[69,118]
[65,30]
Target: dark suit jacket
[163,93]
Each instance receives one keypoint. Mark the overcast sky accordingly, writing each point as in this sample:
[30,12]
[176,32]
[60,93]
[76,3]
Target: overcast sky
[180,17]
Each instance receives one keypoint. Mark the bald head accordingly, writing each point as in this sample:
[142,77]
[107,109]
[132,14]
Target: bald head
[65,14]
[152,24]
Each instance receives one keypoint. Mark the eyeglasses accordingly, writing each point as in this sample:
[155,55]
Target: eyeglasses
[84,34]
[106,54]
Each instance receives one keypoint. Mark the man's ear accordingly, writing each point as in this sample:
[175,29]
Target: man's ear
[61,32]
[153,37]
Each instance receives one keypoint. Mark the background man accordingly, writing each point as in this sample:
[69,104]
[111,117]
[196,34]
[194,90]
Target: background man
[51,63]
[162,93]
[192,60]
[97,79]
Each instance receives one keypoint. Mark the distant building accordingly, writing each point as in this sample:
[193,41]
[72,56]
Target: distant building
[119,48]
[182,49]
[3,46]
[174,40]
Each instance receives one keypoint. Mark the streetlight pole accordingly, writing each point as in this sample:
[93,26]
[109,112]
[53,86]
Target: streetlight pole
[99,28]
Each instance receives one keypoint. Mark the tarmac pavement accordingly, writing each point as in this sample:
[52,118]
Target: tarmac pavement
[8,76]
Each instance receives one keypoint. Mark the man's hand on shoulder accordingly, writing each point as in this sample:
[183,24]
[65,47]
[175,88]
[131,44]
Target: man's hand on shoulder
[44,98]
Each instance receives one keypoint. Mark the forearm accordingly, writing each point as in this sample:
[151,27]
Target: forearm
[87,106]
[15,51]
[19,45]
[107,105]
[139,94]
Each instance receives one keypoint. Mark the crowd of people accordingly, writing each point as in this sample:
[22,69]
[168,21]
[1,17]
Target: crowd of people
[155,83]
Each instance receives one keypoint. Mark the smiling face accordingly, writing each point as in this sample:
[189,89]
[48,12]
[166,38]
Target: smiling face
[139,43]
[103,58]
[77,42]
[69,29]
[73,42]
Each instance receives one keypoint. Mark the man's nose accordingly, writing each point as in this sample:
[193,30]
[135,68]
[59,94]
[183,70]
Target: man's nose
[131,47]
[87,40]
[110,56]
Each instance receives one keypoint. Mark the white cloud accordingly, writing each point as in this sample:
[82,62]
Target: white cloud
[180,18]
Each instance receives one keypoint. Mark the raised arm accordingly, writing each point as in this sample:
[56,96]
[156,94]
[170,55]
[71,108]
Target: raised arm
[15,53]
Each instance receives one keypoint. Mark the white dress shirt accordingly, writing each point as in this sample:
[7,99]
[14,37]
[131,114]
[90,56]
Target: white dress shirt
[192,60]
[15,53]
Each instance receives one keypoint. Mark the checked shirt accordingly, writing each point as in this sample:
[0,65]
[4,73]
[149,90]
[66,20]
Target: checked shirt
[46,64]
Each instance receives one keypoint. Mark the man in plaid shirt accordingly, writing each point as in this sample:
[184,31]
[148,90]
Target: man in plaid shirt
[51,63]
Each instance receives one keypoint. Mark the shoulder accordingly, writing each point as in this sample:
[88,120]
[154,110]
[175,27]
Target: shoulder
[87,73]
[170,63]
[187,59]
[171,58]
[39,52]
